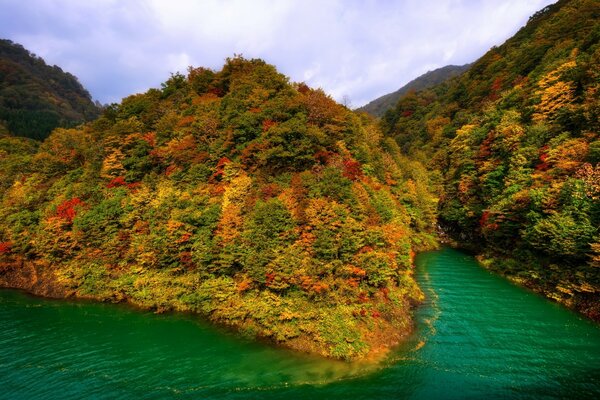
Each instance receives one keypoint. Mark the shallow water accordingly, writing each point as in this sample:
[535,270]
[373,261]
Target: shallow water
[477,336]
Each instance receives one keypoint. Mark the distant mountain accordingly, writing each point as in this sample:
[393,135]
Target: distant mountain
[35,98]
[380,105]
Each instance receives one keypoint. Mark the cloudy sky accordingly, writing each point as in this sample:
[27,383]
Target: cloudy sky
[353,49]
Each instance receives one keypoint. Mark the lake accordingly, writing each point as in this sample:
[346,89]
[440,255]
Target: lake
[477,336]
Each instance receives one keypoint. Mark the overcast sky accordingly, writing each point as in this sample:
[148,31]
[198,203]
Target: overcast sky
[354,49]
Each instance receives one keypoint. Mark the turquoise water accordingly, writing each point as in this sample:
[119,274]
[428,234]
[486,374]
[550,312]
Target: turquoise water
[477,336]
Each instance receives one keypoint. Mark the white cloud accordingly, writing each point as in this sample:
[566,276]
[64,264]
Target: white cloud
[359,49]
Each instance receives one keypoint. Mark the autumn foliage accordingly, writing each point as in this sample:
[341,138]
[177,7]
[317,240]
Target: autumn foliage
[67,210]
[258,203]
[5,247]
[515,142]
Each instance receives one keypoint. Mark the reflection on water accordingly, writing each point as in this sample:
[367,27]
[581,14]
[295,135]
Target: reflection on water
[477,336]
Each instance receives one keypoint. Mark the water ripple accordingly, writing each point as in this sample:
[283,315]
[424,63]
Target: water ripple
[478,336]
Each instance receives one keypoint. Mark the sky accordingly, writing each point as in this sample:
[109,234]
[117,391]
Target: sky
[356,50]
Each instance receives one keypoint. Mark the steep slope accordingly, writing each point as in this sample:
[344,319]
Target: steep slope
[260,204]
[379,106]
[36,98]
[516,138]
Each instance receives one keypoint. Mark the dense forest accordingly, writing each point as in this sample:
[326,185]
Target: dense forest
[35,98]
[379,106]
[266,206]
[261,204]
[516,139]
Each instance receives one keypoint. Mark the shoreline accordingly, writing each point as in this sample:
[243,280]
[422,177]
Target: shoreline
[546,288]
[38,280]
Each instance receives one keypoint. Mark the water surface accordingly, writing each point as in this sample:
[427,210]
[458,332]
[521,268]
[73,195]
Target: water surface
[477,336]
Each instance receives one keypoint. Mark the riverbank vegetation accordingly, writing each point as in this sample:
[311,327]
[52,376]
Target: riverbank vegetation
[516,138]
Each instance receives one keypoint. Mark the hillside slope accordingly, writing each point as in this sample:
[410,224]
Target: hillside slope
[35,98]
[260,204]
[379,106]
[517,140]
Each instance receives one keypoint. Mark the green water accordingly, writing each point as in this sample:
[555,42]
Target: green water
[478,336]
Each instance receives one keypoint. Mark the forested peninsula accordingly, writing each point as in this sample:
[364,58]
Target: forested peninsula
[258,203]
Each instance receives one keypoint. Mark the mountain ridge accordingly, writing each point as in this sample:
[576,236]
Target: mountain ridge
[380,105]
[35,98]
[516,141]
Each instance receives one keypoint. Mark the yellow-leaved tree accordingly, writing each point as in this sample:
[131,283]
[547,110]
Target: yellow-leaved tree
[555,93]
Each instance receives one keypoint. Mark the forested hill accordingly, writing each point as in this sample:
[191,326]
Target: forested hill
[380,105]
[516,138]
[258,203]
[36,98]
